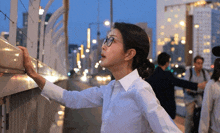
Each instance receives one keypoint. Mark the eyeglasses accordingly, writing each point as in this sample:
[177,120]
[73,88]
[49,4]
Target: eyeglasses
[108,41]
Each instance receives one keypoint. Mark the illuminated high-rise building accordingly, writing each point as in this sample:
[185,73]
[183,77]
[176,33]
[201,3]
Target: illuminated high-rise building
[194,23]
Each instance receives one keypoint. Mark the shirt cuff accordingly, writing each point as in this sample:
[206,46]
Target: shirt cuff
[52,91]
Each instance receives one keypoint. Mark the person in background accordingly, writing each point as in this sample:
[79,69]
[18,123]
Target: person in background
[193,99]
[129,103]
[210,113]
[163,83]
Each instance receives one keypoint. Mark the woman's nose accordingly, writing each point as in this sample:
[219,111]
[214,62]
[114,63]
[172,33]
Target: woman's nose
[104,47]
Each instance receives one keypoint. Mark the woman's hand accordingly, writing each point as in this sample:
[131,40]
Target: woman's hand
[30,69]
[27,62]
[1,74]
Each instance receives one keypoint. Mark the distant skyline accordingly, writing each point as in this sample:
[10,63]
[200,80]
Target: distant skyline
[83,12]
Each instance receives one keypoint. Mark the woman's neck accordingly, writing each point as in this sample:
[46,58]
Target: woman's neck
[120,71]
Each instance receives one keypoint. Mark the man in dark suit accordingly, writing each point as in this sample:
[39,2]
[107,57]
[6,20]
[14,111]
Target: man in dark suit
[163,83]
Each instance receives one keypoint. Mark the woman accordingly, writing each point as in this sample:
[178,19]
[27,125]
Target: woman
[210,114]
[129,103]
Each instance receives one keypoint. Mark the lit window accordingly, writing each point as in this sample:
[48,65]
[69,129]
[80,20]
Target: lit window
[182,23]
[179,58]
[183,38]
[176,15]
[159,52]
[176,26]
[176,38]
[172,49]
[162,27]
[208,43]
[162,33]
[172,43]
[183,41]
[208,50]
[169,20]
[166,39]
[196,26]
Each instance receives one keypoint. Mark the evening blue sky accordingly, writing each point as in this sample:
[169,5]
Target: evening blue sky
[83,12]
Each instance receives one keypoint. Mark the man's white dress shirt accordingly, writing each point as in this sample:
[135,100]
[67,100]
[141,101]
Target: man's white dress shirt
[129,105]
[210,113]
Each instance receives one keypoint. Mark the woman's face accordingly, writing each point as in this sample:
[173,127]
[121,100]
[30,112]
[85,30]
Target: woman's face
[113,56]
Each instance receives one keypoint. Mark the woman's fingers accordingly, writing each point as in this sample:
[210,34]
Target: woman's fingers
[27,61]
[1,74]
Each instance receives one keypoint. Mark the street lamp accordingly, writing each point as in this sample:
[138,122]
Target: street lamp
[111,13]
[106,23]
[87,50]
[94,41]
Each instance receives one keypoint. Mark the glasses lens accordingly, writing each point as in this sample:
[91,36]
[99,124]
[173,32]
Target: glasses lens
[109,41]
[104,41]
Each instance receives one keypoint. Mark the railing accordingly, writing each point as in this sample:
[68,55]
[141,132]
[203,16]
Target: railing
[14,79]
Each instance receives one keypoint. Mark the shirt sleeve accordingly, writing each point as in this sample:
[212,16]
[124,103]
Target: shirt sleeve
[206,109]
[159,120]
[91,97]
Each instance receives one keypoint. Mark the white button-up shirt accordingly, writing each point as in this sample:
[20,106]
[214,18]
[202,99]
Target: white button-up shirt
[129,105]
[210,113]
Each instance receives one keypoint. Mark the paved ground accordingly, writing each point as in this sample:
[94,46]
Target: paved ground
[81,120]
[89,120]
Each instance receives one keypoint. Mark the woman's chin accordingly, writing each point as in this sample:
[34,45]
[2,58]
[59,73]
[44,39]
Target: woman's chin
[102,64]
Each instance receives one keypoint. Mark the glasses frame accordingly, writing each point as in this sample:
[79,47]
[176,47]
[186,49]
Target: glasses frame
[108,41]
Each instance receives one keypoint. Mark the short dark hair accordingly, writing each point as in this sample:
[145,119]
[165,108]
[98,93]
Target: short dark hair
[136,38]
[163,58]
[216,72]
[198,57]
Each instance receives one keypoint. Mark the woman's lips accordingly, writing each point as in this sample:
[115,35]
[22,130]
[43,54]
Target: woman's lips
[103,56]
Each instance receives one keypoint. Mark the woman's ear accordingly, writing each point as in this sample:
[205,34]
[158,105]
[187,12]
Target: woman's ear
[130,54]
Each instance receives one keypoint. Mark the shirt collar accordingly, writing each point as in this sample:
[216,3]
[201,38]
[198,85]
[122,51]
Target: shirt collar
[128,79]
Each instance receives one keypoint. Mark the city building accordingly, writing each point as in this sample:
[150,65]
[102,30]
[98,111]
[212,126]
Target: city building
[176,52]
[194,23]
[72,47]
[150,34]
[72,54]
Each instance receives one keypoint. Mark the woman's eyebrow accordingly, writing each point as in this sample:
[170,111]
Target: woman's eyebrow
[112,36]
